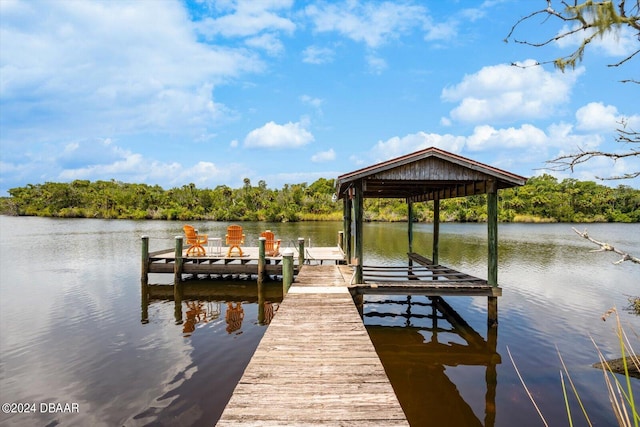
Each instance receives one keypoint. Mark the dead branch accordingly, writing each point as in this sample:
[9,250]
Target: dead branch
[606,247]
[598,17]
[570,161]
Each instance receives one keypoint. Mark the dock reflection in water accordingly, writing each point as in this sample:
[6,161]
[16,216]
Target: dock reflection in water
[222,321]
[418,339]
[198,296]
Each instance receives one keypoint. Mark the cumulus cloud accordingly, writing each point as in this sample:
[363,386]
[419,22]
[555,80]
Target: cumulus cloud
[80,69]
[504,92]
[248,18]
[324,156]
[598,117]
[373,24]
[398,146]
[487,137]
[273,135]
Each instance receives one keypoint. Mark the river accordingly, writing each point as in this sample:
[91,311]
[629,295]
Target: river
[74,331]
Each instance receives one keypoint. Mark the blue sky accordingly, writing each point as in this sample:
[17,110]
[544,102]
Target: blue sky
[211,92]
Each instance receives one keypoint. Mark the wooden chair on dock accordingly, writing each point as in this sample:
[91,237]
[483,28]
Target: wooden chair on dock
[271,245]
[234,238]
[196,241]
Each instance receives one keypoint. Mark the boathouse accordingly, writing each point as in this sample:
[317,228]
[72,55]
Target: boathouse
[429,175]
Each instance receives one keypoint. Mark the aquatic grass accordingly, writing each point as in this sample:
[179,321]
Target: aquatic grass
[535,405]
[620,395]
[574,389]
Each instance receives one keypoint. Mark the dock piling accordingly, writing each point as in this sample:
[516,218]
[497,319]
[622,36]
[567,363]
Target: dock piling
[261,259]
[287,270]
[300,251]
[144,280]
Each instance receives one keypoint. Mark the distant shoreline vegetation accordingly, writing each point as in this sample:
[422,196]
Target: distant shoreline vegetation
[542,199]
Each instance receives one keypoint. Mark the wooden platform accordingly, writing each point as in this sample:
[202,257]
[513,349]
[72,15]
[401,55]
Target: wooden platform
[423,278]
[315,364]
[163,261]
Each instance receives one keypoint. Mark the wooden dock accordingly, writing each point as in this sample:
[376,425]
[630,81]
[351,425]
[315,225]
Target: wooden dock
[315,364]
[218,263]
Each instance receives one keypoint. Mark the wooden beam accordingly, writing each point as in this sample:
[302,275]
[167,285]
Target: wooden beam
[359,208]
[436,230]
[410,224]
[492,232]
[348,232]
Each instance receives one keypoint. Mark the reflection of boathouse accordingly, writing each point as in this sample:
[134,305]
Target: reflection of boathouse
[417,354]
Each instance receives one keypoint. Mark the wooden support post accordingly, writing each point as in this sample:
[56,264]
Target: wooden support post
[348,249]
[144,271]
[261,260]
[177,266]
[177,280]
[300,252]
[359,208]
[287,270]
[341,240]
[436,232]
[492,231]
[410,224]
[261,299]
[492,255]
[144,281]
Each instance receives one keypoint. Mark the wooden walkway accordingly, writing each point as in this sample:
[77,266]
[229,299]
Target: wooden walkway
[315,364]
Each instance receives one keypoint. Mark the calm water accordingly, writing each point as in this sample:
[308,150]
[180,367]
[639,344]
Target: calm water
[71,328]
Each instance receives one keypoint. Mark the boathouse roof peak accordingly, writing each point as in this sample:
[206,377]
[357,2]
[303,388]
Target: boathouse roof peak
[427,174]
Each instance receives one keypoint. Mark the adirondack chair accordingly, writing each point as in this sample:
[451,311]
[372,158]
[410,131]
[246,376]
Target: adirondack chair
[196,241]
[234,238]
[271,245]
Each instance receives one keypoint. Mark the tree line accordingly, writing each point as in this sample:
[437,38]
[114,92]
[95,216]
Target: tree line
[542,199]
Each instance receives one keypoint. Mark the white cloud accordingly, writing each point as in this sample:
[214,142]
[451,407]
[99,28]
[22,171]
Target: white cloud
[249,18]
[311,101]
[396,146]
[598,117]
[273,135]
[94,68]
[373,24]
[267,42]
[324,156]
[317,55]
[505,92]
[487,137]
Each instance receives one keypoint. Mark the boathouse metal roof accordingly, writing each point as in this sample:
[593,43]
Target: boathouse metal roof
[425,175]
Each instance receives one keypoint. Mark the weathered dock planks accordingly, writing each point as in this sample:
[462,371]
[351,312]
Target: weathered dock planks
[315,364]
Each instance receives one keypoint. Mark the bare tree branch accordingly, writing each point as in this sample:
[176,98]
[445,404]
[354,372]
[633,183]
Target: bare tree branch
[626,136]
[591,19]
[606,247]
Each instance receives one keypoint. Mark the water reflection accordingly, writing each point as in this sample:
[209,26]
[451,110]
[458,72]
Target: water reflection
[223,321]
[201,294]
[418,339]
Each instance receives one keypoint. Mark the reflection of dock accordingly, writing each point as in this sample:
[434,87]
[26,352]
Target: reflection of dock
[443,339]
[315,363]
